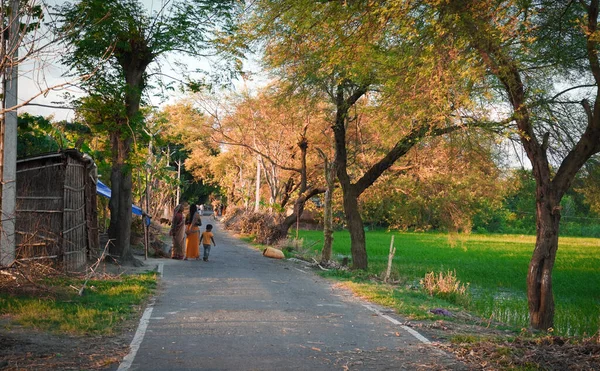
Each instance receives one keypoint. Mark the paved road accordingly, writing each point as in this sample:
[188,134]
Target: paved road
[242,311]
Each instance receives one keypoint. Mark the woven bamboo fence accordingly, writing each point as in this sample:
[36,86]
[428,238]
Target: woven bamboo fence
[56,209]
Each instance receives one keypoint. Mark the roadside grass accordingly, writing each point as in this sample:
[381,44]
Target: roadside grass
[494,267]
[58,308]
[410,302]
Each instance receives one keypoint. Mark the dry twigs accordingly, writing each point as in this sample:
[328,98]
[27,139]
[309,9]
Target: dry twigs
[93,268]
[22,276]
[319,265]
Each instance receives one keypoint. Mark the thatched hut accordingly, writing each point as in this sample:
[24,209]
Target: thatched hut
[56,218]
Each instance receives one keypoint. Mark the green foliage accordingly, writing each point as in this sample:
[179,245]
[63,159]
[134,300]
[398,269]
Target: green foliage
[436,200]
[36,135]
[494,266]
[29,11]
[589,184]
[521,204]
[104,305]
[517,214]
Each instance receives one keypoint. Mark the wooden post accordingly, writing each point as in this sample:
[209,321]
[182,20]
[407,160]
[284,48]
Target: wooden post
[146,239]
[257,186]
[146,217]
[178,181]
[390,258]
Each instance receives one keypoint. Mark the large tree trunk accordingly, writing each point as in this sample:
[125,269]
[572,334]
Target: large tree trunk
[358,246]
[353,218]
[121,177]
[121,199]
[539,277]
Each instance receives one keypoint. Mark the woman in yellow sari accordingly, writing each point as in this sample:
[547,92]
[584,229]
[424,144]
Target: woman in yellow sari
[178,233]
[192,230]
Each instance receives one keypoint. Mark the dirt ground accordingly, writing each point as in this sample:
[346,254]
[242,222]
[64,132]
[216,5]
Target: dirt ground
[28,349]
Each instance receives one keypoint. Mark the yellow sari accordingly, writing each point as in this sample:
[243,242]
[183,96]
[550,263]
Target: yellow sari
[192,245]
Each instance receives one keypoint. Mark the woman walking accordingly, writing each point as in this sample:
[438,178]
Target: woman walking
[178,233]
[192,230]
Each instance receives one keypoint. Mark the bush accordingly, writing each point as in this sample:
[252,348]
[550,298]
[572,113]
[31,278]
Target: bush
[259,225]
[575,229]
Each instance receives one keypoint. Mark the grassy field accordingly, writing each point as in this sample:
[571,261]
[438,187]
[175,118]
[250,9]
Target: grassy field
[495,268]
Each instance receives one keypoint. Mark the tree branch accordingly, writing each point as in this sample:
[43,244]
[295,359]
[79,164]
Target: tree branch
[399,150]
[572,88]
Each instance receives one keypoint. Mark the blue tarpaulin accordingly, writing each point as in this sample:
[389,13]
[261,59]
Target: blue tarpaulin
[103,190]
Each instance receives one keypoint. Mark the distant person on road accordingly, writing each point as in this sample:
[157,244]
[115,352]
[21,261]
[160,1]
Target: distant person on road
[201,208]
[207,238]
[192,231]
[177,231]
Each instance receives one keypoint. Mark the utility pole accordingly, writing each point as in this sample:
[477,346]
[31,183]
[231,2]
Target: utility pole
[178,181]
[8,139]
[257,185]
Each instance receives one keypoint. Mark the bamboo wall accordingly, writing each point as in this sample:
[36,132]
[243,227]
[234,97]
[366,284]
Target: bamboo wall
[74,236]
[54,211]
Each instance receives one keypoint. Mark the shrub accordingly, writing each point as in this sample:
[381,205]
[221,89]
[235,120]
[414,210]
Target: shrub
[446,286]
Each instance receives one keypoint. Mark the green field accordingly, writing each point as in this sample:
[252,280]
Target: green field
[494,266]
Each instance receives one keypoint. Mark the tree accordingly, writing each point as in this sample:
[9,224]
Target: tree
[352,190]
[189,128]
[330,172]
[543,56]
[115,42]
[265,126]
[275,127]
[378,55]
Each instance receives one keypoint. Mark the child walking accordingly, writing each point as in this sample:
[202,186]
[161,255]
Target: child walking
[207,237]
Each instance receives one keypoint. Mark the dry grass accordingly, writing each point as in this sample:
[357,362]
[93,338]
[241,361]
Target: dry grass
[443,283]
